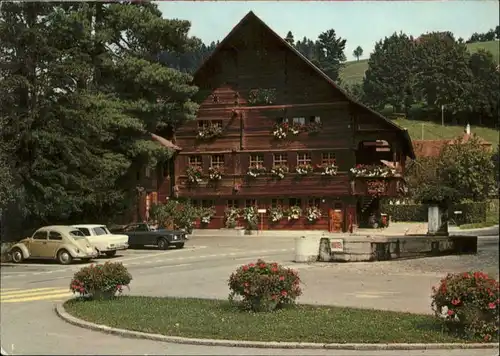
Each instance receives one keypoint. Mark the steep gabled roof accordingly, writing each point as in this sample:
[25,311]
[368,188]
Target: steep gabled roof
[252,17]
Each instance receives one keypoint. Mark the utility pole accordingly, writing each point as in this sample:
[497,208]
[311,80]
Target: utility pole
[442,115]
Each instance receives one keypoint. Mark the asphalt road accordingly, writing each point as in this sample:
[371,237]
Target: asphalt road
[30,291]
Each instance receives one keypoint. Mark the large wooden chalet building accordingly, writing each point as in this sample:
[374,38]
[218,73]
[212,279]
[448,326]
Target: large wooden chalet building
[273,131]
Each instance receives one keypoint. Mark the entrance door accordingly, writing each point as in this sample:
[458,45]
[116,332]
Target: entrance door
[335,220]
[38,244]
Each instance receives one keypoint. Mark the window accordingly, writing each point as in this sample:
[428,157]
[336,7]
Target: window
[280,159]
[202,124]
[195,161]
[85,231]
[257,160]
[55,236]
[314,119]
[282,120]
[304,158]
[295,202]
[40,235]
[147,172]
[277,202]
[207,203]
[217,123]
[250,202]
[99,231]
[217,161]
[313,202]
[327,158]
[195,203]
[141,227]
[232,203]
[299,120]
[77,234]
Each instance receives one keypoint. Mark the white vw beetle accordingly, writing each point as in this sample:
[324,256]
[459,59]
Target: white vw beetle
[102,239]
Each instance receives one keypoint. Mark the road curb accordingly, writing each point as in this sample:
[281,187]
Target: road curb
[63,314]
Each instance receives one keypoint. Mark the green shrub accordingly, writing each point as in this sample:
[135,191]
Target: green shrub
[472,212]
[264,286]
[96,280]
[469,303]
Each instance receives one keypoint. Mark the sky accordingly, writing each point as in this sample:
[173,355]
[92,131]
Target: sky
[360,22]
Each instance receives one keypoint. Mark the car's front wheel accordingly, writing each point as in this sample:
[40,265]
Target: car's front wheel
[17,255]
[110,253]
[64,257]
[162,243]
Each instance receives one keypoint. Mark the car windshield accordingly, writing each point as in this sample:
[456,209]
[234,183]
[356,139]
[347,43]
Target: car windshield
[100,231]
[77,234]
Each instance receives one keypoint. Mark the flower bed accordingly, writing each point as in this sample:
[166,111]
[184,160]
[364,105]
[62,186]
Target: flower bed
[372,171]
[264,286]
[262,96]
[100,281]
[469,303]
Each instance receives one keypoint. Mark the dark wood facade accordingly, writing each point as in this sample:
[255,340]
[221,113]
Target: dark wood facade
[253,84]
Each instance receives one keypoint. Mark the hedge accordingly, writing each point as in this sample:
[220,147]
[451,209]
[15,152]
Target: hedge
[471,212]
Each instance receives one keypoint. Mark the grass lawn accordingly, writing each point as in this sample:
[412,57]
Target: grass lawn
[217,319]
[354,71]
[434,131]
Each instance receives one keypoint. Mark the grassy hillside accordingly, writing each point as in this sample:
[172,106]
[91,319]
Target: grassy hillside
[354,71]
[434,131]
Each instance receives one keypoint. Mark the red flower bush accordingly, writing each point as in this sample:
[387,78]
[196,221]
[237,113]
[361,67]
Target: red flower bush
[264,286]
[94,280]
[469,302]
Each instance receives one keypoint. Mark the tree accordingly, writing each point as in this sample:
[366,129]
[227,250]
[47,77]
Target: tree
[83,89]
[358,52]
[484,96]
[389,77]
[468,168]
[497,32]
[289,38]
[329,54]
[355,90]
[441,84]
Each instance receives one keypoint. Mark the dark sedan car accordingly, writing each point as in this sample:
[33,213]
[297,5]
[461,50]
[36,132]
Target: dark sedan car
[142,234]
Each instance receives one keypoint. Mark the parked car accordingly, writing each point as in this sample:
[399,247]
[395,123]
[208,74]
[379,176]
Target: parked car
[103,240]
[63,243]
[141,234]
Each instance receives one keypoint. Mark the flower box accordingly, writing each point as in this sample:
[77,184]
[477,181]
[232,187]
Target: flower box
[262,96]
[328,169]
[279,171]
[194,174]
[214,173]
[209,132]
[376,187]
[303,169]
[362,170]
[314,127]
[294,213]
[276,214]
[256,170]
[313,214]
[280,131]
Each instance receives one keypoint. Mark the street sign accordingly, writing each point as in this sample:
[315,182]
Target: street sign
[337,245]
